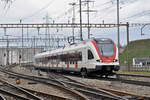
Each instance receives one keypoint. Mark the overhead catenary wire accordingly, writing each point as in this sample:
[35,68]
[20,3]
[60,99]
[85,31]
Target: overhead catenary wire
[111,8]
[139,14]
[40,10]
[7,6]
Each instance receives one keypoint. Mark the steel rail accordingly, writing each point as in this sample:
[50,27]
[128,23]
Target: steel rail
[83,90]
[127,95]
[47,96]
[102,94]
[24,92]
[86,90]
[93,91]
[13,95]
[134,75]
[134,82]
[61,78]
[2,97]
[118,92]
[55,83]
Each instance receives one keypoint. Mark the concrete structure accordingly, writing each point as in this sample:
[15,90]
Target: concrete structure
[16,54]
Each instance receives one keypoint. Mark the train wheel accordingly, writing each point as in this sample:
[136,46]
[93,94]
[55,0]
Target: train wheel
[101,75]
[106,76]
[84,72]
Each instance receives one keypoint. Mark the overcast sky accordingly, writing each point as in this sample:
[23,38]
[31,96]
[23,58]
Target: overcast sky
[34,11]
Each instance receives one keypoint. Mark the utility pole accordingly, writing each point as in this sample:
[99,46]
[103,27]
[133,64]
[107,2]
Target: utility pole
[128,52]
[81,38]
[7,49]
[58,42]
[118,29]
[7,63]
[88,15]
[47,29]
[73,19]
[34,45]
[22,53]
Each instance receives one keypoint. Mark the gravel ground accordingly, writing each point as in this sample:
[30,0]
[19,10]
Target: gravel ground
[28,71]
[133,89]
[35,86]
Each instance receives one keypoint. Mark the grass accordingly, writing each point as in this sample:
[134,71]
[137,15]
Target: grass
[137,49]
[137,73]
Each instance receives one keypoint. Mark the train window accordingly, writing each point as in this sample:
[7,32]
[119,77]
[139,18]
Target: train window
[62,57]
[71,58]
[80,56]
[45,60]
[90,55]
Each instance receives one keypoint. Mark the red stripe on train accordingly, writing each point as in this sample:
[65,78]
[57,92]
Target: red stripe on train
[76,65]
[67,60]
[76,61]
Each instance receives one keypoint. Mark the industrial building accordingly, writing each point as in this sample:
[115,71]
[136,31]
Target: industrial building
[17,54]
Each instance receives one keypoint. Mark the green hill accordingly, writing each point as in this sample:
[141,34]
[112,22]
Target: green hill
[138,49]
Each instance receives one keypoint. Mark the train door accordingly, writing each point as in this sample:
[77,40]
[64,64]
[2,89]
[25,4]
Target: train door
[84,56]
[62,60]
[90,58]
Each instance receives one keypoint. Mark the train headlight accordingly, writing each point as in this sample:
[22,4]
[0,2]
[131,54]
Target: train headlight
[101,61]
[115,60]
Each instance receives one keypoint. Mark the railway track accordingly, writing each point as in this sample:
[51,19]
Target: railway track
[123,94]
[122,80]
[134,75]
[66,80]
[91,93]
[126,95]
[2,97]
[74,95]
[60,78]
[118,79]
[15,92]
[46,96]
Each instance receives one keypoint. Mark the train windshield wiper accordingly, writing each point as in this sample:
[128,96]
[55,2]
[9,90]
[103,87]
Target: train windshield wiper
[102,51]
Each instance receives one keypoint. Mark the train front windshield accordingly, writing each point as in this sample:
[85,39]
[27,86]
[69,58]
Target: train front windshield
[106,48]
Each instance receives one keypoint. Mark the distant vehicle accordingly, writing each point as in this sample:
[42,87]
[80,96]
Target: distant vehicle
[98,56]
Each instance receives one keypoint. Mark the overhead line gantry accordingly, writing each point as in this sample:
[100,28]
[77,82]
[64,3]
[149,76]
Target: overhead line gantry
[59,25]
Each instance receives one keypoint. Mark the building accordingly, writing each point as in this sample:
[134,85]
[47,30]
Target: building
[141,62]
[16,54]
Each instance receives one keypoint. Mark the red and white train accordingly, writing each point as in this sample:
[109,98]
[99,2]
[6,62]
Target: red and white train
[98,56]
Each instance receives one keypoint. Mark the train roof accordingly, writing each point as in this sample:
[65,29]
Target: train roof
[103,40]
